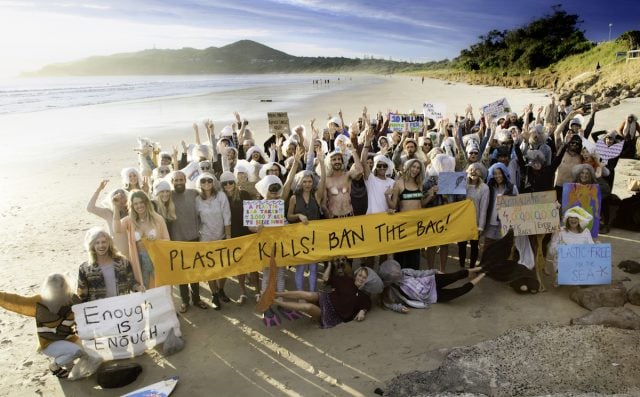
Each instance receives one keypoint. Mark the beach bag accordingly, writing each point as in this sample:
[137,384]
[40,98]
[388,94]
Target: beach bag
[118,375]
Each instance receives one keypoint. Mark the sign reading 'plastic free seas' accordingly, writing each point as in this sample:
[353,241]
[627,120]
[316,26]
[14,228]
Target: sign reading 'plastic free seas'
[584,264]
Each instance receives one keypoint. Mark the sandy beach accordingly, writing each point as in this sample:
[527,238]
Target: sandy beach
[48,181]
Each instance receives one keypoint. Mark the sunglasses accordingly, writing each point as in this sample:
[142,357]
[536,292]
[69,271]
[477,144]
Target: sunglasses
[470,153]
[381,165]
[275,188]
[205,168]
[427,144]
[206,180]
[164,171]
[227,183]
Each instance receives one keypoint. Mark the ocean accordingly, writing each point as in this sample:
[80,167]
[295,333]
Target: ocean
[22,95]
[46,118]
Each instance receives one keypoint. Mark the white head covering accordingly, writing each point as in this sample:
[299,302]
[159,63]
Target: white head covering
[161,186]
[92,234]
[263,185]
[216,184]
[263,170]
[227,176]
[380,158]
[334,120]
[124,174]
[247,168]
[442,163]
[252,150]
[578,212]
[227,131]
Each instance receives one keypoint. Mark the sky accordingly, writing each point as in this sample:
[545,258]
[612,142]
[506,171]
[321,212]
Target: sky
[34,33]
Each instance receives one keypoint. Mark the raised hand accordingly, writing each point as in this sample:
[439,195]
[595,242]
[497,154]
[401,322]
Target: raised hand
[237,116]
[102,184]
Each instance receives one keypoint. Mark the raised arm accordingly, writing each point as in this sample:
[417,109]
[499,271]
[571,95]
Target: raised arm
[99,211]
[592,120]
[197,133]
[321,190]
[286,189]
[365,153]
[25,305]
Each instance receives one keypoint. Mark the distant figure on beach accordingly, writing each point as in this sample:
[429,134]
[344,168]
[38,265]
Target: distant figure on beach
[422,79]
[598,68]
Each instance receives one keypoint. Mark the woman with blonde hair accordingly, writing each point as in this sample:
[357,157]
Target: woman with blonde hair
[163,201]
[478,192]
[106,273]
[55,324]
[215,223]
[143,222]
[407,196]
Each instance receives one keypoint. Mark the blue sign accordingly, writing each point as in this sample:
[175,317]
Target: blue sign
[584,264]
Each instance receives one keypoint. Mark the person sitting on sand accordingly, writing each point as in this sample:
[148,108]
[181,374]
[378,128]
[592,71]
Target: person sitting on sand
[107,273]
[421,288]
[55,323]
[346,302]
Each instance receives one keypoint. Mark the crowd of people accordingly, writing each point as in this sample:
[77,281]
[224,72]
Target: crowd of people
[340,171]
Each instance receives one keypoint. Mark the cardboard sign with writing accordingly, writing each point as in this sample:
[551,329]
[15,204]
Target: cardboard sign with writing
[265,212]
[588,197]
[497,108]
[278,122]
[530,213]
[397,122]
[127,325]
[434,111]
[452,183]
[584,264]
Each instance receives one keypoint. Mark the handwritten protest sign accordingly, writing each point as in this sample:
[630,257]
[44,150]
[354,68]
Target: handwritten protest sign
[359,236]
[452,183]
[530,213]
[278,122]
[608,152]
[397,122]
[265,212]
[587,197]
[435,111]
[127,325]
[497,108]
[584,264]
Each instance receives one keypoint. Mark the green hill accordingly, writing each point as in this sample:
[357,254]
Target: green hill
[241,57]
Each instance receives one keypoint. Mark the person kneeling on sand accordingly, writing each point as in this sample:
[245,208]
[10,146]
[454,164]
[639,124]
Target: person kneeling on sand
[420,288]
[56,326]
[346,302]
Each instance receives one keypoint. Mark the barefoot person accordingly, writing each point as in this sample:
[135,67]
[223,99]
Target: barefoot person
[347,301]
[421,288]
[107,273]
[143,222]
[55,321]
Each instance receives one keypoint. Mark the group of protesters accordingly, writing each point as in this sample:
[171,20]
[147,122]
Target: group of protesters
[344,170]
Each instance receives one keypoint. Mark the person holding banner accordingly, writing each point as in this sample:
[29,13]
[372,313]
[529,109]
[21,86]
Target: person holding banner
[408,195]
[346,302]
[304,206]
[107,273]
[142,222]
[478,192]
[236,197]
[55,322]
[214,216]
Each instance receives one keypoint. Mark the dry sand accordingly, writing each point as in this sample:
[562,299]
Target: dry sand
[230,352]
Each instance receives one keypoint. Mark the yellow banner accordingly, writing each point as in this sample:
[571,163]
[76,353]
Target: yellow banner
[359,236]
